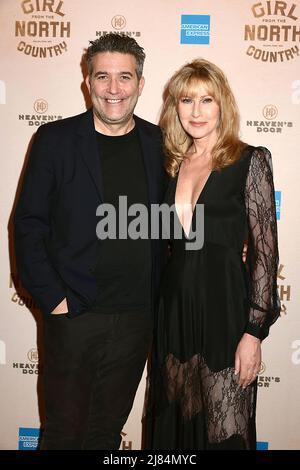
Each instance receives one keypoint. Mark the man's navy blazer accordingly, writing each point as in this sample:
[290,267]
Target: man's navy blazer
[55,219]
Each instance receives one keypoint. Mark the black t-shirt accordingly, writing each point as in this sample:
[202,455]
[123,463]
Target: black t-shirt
[123,270]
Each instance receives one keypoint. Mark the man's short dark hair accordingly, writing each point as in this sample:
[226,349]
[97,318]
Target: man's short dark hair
[114,42]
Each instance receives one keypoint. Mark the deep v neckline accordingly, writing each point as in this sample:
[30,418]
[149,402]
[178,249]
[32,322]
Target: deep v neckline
[196,202]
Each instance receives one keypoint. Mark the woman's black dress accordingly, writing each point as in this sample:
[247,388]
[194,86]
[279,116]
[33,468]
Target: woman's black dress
[209,298]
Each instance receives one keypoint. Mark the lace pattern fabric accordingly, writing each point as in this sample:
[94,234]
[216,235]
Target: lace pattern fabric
[262,257]
[228,407]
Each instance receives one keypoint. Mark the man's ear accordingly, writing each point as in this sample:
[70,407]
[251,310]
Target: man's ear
[141,85]
[87,82]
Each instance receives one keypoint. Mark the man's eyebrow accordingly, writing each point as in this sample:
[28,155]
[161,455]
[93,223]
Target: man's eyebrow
[100,73]
[106,73]
[126,73]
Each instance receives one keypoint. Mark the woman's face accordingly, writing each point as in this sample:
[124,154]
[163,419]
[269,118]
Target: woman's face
[199,114]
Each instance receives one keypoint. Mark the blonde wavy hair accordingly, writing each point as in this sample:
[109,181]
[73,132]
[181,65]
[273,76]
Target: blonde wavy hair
[185,82]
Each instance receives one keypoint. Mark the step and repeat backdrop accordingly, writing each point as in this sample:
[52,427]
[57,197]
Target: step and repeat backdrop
[257,44]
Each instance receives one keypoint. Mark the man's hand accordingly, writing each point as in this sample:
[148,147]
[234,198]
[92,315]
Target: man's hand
[61,308]
[247,359]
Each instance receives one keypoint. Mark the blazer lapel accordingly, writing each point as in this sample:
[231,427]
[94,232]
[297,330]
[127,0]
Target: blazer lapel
[148,150]
[88,149]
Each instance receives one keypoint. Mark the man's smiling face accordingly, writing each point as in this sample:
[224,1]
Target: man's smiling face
[114,87]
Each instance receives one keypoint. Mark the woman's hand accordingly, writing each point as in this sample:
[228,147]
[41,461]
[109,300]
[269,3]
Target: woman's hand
[247,359]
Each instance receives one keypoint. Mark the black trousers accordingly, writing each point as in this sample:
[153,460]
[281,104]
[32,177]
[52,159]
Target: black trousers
[92,369]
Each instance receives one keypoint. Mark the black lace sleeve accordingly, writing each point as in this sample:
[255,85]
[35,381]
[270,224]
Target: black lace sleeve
[262,258]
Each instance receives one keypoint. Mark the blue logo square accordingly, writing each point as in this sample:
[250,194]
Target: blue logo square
[262,445]
[29,438]
[278,204]
[195,29]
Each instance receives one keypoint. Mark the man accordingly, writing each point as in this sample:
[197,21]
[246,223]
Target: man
[97,296]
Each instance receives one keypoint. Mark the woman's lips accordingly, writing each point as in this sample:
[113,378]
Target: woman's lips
[197,124]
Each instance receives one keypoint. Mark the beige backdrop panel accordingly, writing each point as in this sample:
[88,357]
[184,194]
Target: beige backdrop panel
[262,64]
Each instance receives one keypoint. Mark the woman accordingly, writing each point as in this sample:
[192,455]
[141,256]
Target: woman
[214,309]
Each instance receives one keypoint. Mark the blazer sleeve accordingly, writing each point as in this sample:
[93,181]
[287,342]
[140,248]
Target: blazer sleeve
[32,225]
